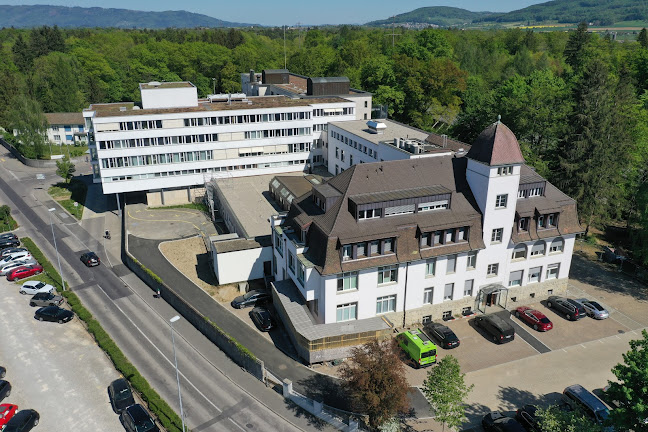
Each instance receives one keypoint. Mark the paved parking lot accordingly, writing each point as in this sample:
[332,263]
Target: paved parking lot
[55,369]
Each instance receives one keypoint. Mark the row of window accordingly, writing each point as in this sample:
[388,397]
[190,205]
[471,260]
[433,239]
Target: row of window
[534,275]
[368,249]
[67,138]
[68,128]
[327,112]
[443,237]
[354,144]
[195,156]
[530,192]
[542,222]
[203,170]
[538,248]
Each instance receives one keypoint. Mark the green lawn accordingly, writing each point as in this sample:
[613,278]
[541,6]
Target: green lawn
[66,194]
[4,226]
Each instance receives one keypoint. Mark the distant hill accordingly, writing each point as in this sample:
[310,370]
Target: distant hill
[39,15]
[598,12]
[442,16]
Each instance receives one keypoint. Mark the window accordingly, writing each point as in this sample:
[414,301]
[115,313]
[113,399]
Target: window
[57,137]
[388,245]
[427,318]
[361,249]
[451,264]
[350,159]
[430,267]
[500,201]
[427,295]
[291,262]
[55,128]
[347,281]
[541,222]
[468,287]
[535,192]
[448,292]
[337,170]
[538,248]
[496,235]
[523,224]
[447,315]
[551,220]
[68,137]
[386,304]
[374,247]
[342,155]
[492,269]
[461,233]
[337,153]
[347,312]
[301,273]
[278,243]
[346,252]
[505,170]
[387,274]
[435,205]
[369,214]
[437,237]
[534,274]
[471,261]
[515,278]
[557,245]
[396,210]
[552,271]
[519,252]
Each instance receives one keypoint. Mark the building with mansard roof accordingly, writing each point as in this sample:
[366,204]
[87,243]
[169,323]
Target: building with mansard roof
[393,243]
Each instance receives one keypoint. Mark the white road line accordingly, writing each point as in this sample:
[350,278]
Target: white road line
[168,360]
[583,346]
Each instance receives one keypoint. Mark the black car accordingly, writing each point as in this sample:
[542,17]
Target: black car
[90,259]
[8,236]
[136,419]
[54,314]
[5,389]
[250,299]
[526,416]
[45,299]
[446,337]
[497,328]
[120,394]
[9,242]
[22,421]
[498,422]
[262,318]
[3,372]
[571,309]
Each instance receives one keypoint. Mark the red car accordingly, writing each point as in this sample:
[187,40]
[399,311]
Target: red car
[534,318]
[6,412]
[24,272]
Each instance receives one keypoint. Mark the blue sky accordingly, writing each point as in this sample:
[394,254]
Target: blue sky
[291,12]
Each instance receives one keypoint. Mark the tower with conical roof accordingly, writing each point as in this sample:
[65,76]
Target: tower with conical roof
[493,173]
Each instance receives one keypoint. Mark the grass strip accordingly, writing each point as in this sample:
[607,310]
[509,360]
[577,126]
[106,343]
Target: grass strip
[4,226]
[167,416]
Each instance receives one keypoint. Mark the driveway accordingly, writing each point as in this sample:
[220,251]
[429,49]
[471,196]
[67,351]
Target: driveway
[167,224]
[48,364]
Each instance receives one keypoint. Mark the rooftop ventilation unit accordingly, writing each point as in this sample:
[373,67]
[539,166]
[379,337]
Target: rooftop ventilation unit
[154,84]
[122,109]
[376,127]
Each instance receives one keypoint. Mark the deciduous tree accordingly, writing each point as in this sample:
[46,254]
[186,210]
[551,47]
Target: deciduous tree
[446,390]
[65,168]
[376,381]
[554,419]
[27,118]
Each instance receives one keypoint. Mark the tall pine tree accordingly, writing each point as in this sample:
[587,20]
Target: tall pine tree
[595,152]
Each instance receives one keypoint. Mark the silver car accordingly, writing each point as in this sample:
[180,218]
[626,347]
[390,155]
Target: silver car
[9,251]
[6,268]
[594,309]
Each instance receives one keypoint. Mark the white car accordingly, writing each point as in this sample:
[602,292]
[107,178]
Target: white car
[34,287]
[6,268]
[22,255]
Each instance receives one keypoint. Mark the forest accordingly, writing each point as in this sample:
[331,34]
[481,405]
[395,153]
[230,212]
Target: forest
[577,101]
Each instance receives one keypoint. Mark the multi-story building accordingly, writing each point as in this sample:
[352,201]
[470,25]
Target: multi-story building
[292,85]
[419,239]
[170,145]
[66,128]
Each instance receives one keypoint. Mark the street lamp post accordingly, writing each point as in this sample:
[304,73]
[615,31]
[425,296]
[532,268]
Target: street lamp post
[214,81]
[175,359]
[58,258]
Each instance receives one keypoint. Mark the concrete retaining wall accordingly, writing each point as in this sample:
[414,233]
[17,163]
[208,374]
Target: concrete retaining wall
[215,335]
[35,163]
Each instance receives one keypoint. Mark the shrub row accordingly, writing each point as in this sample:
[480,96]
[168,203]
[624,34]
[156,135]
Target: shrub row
[167,417]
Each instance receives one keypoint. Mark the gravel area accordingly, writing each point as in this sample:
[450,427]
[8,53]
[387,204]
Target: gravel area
[190,257]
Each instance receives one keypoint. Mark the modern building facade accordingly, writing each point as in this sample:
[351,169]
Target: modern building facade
[422,238]
[175,142]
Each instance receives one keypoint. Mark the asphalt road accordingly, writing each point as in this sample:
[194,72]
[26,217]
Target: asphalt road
[212,397]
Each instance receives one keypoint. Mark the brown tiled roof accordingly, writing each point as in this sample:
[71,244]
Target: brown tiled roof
[67,118]
[496,145]
[337,226]
[113,110]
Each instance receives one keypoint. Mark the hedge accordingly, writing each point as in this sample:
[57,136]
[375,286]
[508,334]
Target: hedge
[167,416]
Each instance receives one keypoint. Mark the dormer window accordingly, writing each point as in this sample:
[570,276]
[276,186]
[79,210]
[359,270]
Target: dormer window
[347,251]
[535,192]
[541,222]
[523,224]
[551,220]
[369,214]
[502,171]
[436,205]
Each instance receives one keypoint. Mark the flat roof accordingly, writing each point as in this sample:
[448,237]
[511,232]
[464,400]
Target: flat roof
[254,102]
[393,130]
[165,85]
[250,201]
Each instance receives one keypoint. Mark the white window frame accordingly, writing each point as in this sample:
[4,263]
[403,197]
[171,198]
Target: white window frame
[553,271]
[430,264]
[472,288]
[501,201]
[346,280]
[428,294]
[346,307]
[386,304]
[532,274]
[471,261]
[496,235]
[390,271]
[446,297]
[492,269]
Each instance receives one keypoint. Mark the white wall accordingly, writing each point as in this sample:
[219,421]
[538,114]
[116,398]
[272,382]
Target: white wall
[241,265]
[162,97]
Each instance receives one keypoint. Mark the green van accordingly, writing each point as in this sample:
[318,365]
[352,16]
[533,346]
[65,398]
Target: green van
[418,347]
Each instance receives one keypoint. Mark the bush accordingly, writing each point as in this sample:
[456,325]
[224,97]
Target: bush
[167,417]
